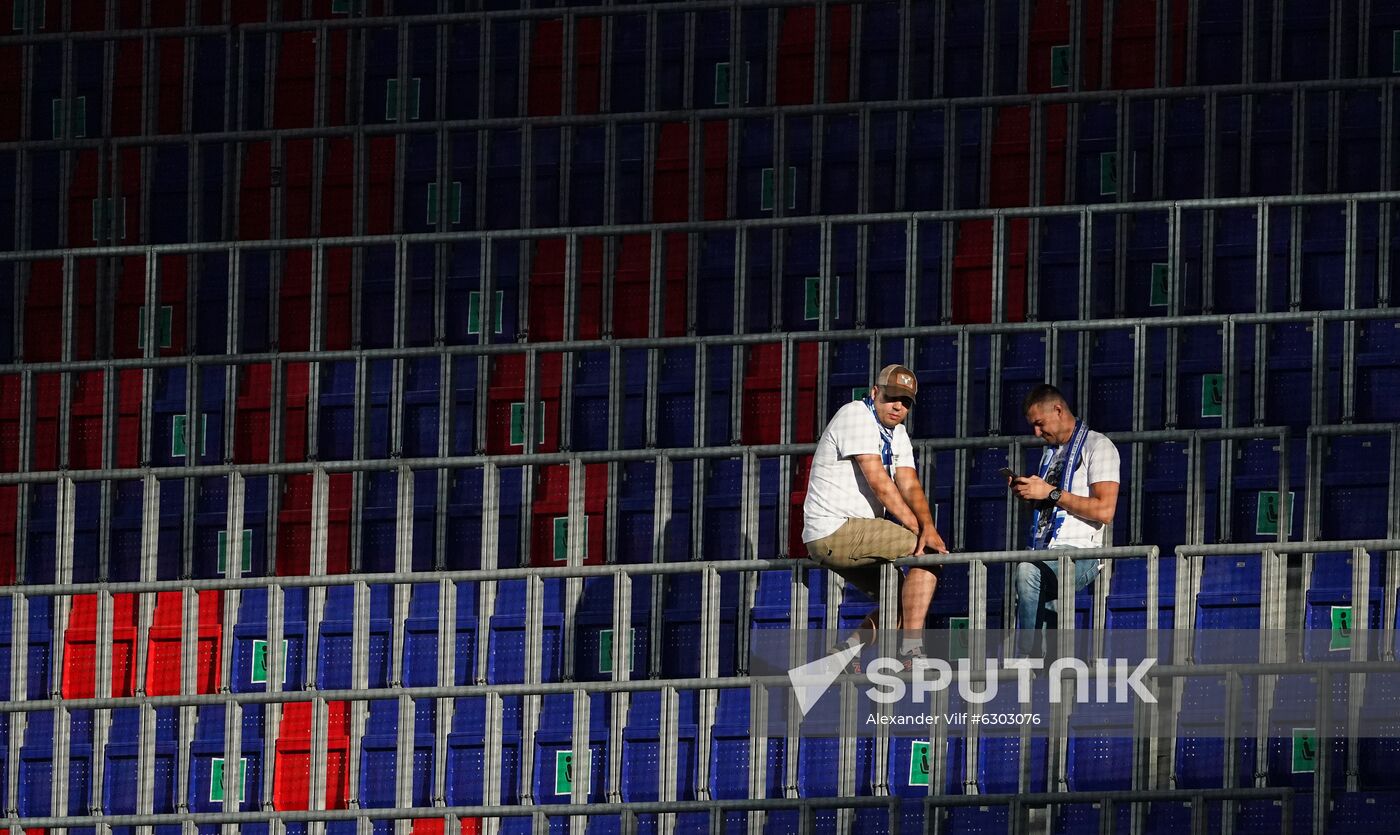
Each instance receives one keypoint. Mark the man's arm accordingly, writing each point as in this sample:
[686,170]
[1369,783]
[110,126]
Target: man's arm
[1098,506]
[907,480]
[885,490]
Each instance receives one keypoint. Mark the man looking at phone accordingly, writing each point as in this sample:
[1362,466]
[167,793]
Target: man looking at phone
[865,505]
[1074,494]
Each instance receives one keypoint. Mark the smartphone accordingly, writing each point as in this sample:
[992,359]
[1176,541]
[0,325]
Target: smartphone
[1007,472]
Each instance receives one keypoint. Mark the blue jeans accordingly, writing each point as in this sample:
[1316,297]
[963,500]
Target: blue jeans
[1037,587]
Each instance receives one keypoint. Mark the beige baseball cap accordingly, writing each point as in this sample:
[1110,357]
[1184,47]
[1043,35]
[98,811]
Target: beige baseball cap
[898,381]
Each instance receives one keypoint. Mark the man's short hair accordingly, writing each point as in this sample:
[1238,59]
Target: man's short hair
[1044,394]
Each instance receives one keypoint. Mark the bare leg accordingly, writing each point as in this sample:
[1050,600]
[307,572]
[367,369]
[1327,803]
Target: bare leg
[915,597]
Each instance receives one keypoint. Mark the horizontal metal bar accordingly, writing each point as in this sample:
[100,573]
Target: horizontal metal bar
[600,456]
[655,807]
[1315,547]
[545,572]
[495,16]
[716,340]
[785,222]
[1334,668]
[651,116]
[1353,429]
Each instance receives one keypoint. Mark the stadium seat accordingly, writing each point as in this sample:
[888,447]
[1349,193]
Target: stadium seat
[334,649]
[250,651]
[420,637]
[379,755]
[557,765]
[505,660]
[207,760]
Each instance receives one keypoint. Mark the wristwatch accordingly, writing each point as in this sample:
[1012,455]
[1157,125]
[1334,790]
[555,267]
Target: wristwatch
[1054,496]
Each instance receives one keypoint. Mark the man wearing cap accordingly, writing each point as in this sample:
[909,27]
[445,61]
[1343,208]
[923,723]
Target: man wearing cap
[865,505]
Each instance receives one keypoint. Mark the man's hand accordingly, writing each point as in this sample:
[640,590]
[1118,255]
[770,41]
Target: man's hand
[929,539]
[1031,488]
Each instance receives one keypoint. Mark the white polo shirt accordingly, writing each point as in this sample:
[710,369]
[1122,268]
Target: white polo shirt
[836,489]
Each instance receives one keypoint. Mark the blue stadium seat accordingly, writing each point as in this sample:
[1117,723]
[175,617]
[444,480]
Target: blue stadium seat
[1087,817]
[681,602]
[716,272]
[1127,598]
[641,746]
[211,524]
[1100,159]
[629,169]
[554,748]
[773,600]
[589,163]
[379,755]
[723,506]
[43,203]
[1183,158]
[1270,144]
[1330,610]
[1355,479]
[1364,812]
[337,411]
[334,649]
[987,504]
[1304,27]
[36,758]
[998,759]
[936,364]
[40,647]
[1377,378]
[421,405]
[1324,252]
[464,519]
[592,409]
[1201,733]
[505,662]
[119,784]
[503,180]
[1232,599]
[1109,405]
[208,746]
[169,202]
[1024,360]
[1294,701]
[379,518]
[756,156]
[544,154]
[965,38]
[676,396]
[1379,742]
[923,186]
[43,514]
[841,165]
[1288,373]
[466,751]
[420,641]
[975,820]
[594,634]
[797,185]
[729,748]
[1100,748]
[250,671]
[1201,386]
[1256,483]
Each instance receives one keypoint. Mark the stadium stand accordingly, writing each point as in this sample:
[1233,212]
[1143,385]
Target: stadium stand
[411,401]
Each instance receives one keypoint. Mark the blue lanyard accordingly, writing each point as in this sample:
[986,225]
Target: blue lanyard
[886,439]
[1043,533]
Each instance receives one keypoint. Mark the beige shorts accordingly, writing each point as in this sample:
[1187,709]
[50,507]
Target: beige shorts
[859,547]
